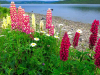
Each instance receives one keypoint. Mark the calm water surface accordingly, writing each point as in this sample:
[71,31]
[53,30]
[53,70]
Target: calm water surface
[85,13]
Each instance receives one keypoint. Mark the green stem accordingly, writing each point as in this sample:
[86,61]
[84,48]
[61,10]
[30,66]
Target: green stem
[48,31]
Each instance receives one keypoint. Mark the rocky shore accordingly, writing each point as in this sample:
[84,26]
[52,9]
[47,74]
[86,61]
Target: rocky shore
[69,26]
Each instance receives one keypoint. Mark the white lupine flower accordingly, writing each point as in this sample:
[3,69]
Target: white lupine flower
[54,30]
[33,22]
[41,25]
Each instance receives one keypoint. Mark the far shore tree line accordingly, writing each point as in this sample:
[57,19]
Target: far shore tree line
[55,2]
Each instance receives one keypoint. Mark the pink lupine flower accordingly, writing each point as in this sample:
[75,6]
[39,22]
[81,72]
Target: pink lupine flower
[25,24]
[12,25]
[32,30]
[51,30]
[97,54]
[76,38]
[21,17]
[65,44]
[93,36]
[48,18]
[13,15]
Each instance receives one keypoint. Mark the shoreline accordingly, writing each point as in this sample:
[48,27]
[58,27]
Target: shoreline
[69,26]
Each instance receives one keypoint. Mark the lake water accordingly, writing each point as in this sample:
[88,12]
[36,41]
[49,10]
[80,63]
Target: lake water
[84,13]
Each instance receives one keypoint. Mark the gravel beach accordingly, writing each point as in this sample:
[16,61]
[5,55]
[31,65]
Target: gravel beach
[69,26]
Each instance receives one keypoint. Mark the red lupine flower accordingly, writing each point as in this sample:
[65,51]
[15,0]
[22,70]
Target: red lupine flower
[93,36]
[65,44]
[93,39]
[97,54]
[94,27]
[76,38]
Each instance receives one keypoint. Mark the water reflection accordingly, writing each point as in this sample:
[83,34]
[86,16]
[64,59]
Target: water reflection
[85,7]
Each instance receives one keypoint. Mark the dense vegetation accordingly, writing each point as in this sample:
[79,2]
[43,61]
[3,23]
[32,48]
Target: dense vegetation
[78,2]
[18,57]
[4,11]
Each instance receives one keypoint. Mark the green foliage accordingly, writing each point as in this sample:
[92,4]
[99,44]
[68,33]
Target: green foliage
[4,11]
[18,57]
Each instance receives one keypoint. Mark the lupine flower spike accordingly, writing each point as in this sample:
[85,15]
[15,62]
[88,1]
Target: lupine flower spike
[48,19]
[65,44]
[8,20]
[93,36]
[21,17]
[54,30]
[51,30]
[76,38]
[41,25]
[4,25]
[33,22]
[97,54]
[14,16]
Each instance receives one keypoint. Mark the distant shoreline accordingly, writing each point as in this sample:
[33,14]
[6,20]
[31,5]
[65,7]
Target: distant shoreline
[53,2]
